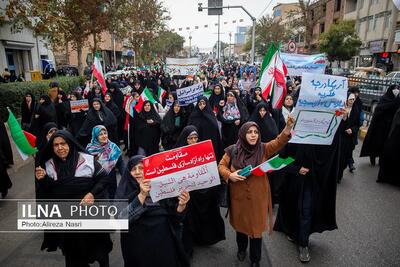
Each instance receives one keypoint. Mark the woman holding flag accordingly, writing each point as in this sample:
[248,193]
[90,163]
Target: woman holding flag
[252,195]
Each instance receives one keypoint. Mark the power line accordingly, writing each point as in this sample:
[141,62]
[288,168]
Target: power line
[270,2]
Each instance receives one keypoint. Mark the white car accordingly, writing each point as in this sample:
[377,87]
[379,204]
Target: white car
[394,74]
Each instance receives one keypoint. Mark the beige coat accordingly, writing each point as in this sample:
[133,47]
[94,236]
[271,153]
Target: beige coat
[251,199]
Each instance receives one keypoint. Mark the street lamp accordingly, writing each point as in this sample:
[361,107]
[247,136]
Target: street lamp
[190,45]
[253,35]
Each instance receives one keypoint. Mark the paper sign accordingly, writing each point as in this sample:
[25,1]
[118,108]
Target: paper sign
[182,66]
[190,94]
[78,105]
[316,119]
[183,169]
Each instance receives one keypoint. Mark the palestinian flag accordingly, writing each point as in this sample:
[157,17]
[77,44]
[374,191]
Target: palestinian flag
[273,164]
[145,95]
[24,141]
[98,73]
[161,94]
[272,78]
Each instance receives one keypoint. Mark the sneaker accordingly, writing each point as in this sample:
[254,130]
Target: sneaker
[241,255]
[304,254]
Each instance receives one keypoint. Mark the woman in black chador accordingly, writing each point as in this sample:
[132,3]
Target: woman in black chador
[308,199]
[203,118]
[45,112]
[98,114]
[172,125]
[388,168]
[349,135]
[27,110]
[203,224]
[268,128]
[66,172]
[154,228]
[6,159]
[147,131]
[217,95]
[232,115]
[380,124]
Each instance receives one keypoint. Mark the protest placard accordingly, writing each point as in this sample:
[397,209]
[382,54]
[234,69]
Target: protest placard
[296,64]
[317,120]
[183,169]
[182,66]
[78,105]
[190,94]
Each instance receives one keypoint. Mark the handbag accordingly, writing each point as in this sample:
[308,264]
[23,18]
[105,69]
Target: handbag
[225,196]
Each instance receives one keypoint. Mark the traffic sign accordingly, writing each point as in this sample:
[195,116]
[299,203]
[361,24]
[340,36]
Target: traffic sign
[292,46]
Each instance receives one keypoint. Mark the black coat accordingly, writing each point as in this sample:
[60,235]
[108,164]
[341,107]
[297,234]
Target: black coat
[92,119]
[207,126]
[170,130]
[89,246]
[388,168]
[268,128]
[46,112]
[323,163]
[380,125]
[147,135]
[6,158]
[27,112]
[348,141]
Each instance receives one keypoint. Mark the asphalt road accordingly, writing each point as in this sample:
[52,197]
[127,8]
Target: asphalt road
[368,218]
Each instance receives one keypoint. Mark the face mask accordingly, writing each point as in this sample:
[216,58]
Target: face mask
[395,92]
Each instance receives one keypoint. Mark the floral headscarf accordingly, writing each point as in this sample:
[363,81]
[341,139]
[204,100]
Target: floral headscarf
[107,154]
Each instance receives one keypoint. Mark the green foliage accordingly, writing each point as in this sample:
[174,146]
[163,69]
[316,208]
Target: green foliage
[341,42]
[267,32]
[12,94]
[166,44]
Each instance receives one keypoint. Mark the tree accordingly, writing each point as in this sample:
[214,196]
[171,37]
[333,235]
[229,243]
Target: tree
[267,32]
[147,19]
[341,42]
[166,44]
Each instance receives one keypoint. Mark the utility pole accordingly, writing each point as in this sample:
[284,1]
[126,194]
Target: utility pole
[218,44]
[253,37]
[230,45]
[190,45]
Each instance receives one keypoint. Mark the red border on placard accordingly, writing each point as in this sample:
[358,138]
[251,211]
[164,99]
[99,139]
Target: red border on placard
[178,159]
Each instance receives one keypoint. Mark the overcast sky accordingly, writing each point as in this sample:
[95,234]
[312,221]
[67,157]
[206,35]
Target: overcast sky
[184,14]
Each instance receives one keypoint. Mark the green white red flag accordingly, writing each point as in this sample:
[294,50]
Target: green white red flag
[97,71]
[144,96]
[273,164]
[161,94]
[272,78]
[24,141]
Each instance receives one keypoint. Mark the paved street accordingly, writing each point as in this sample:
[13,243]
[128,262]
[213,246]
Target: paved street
[367,214]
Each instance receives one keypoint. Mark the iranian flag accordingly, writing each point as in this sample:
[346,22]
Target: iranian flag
[98,73]
[272,78]
[145,95]
[161,94]
[24,141]
[273,164]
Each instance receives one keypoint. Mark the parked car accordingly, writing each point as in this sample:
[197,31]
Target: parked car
[67,70]
[394,74]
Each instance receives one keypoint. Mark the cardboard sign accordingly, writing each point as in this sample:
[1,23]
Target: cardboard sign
[187,168]
[78,105]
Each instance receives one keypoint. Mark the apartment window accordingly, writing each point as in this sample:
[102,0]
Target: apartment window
[388,20]
[361,4]
[338,5]
[370,23]
[323,10]
[374,2]
[374,26]
[312,14]
[321,27]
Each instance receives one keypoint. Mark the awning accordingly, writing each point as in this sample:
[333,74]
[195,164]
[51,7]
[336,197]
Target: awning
[18,45]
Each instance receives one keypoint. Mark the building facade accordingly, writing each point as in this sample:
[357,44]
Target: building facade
[289,15]
[21,51]
[377,26]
